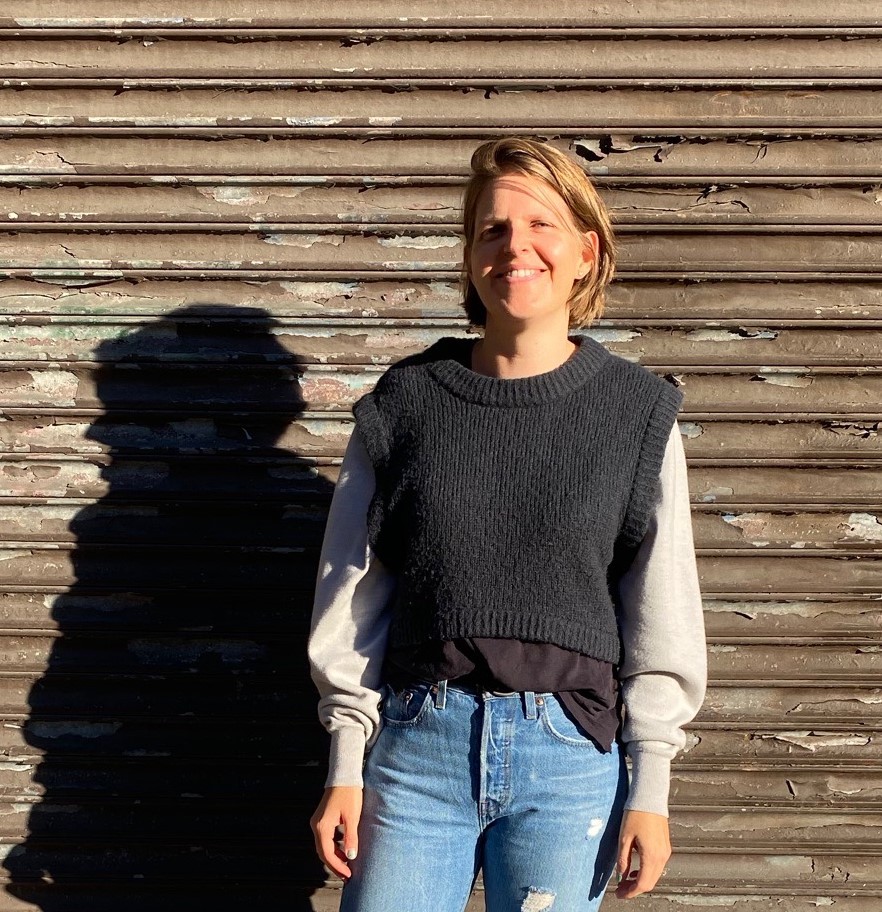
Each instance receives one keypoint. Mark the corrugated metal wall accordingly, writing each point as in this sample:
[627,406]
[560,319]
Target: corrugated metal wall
[225,219]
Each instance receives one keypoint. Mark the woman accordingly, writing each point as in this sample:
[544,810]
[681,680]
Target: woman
[508,563]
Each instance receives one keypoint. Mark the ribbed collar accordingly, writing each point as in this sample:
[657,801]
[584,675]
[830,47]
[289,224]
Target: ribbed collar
[453,354]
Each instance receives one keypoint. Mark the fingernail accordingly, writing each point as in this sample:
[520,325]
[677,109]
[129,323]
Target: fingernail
[351,853]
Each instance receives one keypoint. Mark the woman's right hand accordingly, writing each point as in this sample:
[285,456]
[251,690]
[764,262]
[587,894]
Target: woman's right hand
[340,806]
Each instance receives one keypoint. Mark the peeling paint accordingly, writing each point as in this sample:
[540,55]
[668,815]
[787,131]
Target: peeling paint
[239,196]
[302,240]
[312,121]
[751,524]
[783,379]
[863,526]
[614,335]
[710,495]
[420,242]
[690,429]
[728,335]
[188,651]
[383,121]
[61,729]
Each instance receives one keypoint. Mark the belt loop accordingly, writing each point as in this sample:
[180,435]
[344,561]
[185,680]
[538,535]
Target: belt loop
[530,704]
[440,692]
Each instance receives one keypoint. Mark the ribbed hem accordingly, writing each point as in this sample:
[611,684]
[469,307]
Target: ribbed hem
[451,371]
[650,781]
[346,756]
[580,633]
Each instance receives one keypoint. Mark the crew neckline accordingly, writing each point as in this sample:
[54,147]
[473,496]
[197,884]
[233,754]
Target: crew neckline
[451,369]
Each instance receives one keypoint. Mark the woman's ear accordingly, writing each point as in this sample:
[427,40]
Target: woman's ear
[590,253]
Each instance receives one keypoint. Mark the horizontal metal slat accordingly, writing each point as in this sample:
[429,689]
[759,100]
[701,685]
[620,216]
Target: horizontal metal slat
[117,361]
[454,13]
[411,56]
[605,154]
[451,110]
[383,252]
[837,440]
[230,205]
[399,302]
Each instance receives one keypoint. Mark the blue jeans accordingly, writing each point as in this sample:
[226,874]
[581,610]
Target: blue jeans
[458,781]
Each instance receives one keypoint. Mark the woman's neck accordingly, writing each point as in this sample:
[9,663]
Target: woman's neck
[520,356]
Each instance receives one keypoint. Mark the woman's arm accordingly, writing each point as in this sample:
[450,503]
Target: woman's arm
[347,643]
[350,621]
[664,670]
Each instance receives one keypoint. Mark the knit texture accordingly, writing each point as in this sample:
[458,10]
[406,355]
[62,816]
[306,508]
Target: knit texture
[508,507]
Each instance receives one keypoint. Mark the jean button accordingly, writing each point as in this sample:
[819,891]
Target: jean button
[540,701]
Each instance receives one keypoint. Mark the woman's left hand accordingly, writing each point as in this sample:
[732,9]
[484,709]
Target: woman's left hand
[649,836]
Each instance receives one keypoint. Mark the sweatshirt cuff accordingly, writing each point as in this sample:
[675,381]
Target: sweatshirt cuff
[346,757]
[650,782]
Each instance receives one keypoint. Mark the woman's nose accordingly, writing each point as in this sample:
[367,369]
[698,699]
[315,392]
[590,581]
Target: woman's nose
[515,238]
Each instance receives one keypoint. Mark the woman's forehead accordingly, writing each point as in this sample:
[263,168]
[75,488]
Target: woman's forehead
[521,190]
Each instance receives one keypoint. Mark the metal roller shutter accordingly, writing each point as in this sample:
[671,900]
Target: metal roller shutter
[223,222]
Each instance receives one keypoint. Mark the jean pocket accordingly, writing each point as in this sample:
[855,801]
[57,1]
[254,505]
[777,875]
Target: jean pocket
[561,727]
[408,706]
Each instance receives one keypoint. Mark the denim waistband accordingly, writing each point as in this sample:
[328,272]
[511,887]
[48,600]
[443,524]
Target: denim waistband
[528,698]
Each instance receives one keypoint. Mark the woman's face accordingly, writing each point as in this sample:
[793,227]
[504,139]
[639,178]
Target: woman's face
[526,252]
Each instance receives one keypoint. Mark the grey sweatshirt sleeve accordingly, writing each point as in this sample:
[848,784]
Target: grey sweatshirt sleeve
[350,621]
[664,671]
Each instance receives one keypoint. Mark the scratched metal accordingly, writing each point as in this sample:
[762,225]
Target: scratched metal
[605,155]
[718,441]
[186,339]
[761,394]
[223,204]
[176,394]
[686,157]
[522,13]
[633,58]
[723,304]
[402,249]
[483,109]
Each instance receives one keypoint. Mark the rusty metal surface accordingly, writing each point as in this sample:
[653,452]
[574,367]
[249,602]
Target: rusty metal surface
[221,226]
[643,13]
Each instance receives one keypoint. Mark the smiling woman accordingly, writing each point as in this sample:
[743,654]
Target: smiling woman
[508,563]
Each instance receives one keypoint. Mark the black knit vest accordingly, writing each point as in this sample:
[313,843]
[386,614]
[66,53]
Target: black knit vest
[510,507]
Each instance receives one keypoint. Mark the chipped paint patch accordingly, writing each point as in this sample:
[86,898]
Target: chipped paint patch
[47,729]
[864,526]
[690,429]
[235,196]
[799,381]
[729,335]
[302,240]
[595,827]
[614,335]
[188,651]
[420,242]
[751,524]
[711,494]
[312,121]
[383,121]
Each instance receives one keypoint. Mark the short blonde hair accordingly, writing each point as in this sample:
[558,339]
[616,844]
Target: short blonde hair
[516,155]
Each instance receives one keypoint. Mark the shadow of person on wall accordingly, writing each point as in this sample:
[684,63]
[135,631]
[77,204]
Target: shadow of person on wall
[174,727]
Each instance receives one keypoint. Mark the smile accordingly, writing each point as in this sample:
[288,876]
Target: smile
[519,274]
